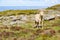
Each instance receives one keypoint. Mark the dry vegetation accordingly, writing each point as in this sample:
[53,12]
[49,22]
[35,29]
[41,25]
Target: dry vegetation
[50,32]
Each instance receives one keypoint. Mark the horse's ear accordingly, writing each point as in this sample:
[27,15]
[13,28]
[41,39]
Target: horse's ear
[42,12]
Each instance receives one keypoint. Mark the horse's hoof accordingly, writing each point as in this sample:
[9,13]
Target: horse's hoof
[39,26]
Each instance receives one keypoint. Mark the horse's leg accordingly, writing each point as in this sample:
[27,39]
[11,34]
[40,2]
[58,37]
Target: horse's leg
[35,24]
[42,22]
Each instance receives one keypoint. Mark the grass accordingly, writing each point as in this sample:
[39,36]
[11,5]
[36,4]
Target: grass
[17,12]
[27,31]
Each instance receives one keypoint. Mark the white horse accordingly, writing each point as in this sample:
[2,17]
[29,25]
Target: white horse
[39,19]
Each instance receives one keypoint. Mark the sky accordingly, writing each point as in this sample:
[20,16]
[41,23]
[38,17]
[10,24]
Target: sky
[29,2]
[24,4]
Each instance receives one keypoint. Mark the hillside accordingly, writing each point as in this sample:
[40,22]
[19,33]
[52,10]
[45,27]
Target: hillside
[14,26]
[55,7]
[17,12]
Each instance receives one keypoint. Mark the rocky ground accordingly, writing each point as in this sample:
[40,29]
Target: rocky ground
[21,27]
[22,19]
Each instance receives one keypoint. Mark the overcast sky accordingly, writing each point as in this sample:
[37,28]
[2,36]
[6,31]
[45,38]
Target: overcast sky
[29,2]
